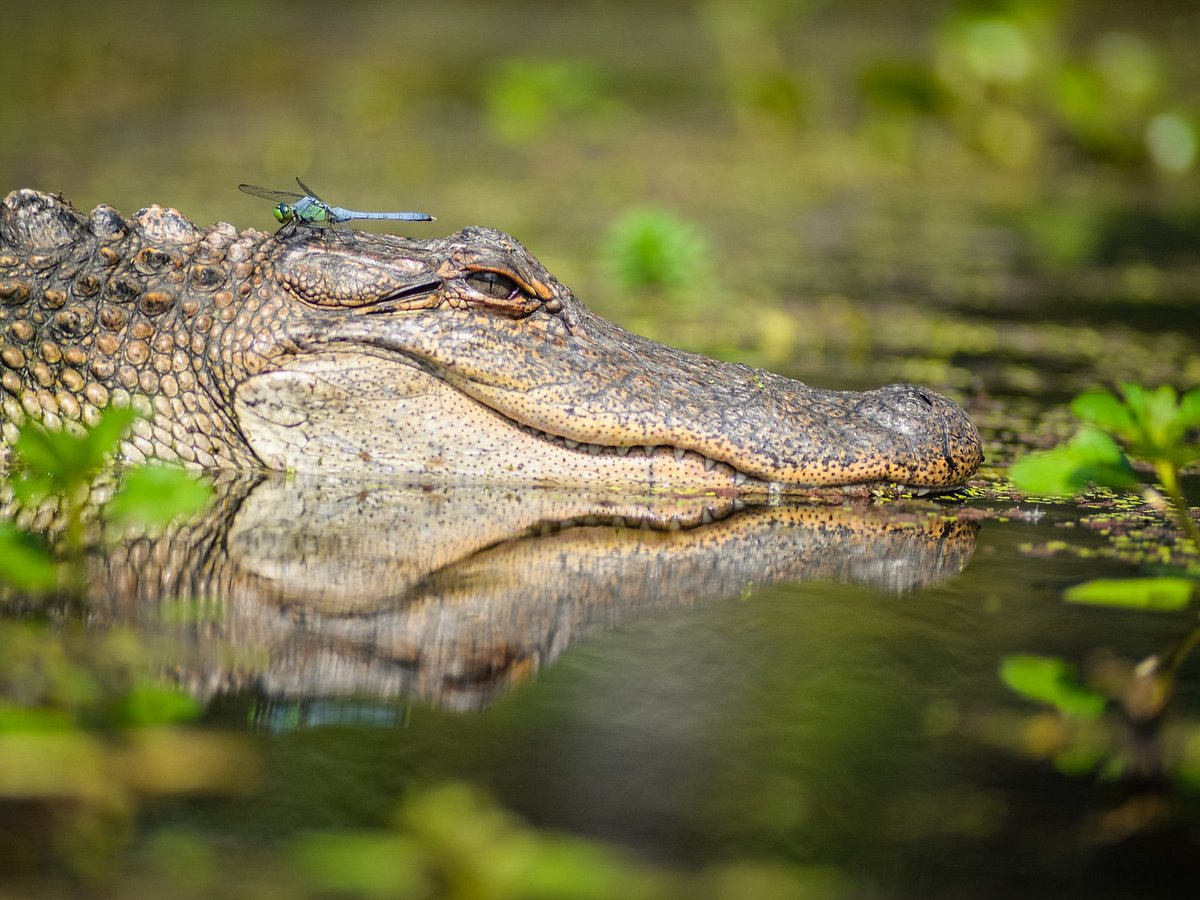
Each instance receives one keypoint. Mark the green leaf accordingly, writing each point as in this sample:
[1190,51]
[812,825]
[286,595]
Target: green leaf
[1189,410]
[32,489]
[1092,457]
[1050,680]
[1104,410]
[42,452]
[1158,413]
[1050,474]
[58,461]
[104,438]
[155,704]
[25,562]
[156,494]
[365,864]
[1161,594]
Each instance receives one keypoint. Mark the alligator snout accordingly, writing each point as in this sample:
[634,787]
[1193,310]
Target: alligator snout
[933,442]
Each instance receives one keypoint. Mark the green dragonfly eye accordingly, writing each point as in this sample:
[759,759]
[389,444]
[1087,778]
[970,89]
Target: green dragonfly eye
[283,213]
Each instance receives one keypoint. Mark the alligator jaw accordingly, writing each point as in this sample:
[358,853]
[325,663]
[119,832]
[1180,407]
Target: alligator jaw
[408,421]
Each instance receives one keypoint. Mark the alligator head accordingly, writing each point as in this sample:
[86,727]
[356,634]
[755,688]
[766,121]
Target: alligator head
[459,355]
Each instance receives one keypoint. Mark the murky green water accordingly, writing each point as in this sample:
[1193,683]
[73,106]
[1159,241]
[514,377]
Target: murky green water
[367,678]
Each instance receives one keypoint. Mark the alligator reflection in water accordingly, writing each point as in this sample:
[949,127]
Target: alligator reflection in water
[302,588]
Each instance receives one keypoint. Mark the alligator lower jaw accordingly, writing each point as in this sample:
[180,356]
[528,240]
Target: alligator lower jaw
[345,410]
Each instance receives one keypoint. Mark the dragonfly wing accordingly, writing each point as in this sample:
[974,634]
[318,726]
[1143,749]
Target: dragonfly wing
[309,192]
[268,194]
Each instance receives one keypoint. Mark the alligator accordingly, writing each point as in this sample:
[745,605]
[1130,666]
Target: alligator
[458,356]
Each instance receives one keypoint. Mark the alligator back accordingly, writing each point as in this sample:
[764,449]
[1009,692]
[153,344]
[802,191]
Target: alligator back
[98,310]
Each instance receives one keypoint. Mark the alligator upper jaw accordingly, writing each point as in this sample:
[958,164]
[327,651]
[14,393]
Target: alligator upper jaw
[349,409]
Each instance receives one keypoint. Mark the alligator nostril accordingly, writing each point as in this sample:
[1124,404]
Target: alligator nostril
[925,396]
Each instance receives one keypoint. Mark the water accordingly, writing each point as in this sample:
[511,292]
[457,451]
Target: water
[817,687]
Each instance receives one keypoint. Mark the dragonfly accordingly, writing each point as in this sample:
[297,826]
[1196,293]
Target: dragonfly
[307,208]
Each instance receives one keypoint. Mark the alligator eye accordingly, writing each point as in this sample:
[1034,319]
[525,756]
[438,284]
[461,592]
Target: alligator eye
[494,284]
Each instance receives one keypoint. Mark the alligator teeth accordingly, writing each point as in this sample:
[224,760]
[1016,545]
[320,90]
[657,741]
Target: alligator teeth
[706,517]
[570,443]
[739,478]
[622,451]
[590,520]
[594,449]
[738,505]
[679,451]
[650,448]
[675,525]
[709,463]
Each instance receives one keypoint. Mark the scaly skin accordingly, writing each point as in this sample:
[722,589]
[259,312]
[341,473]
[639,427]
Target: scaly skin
[459,355]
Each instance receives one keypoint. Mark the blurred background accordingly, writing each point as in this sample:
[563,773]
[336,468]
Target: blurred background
[766,180]
[996,199]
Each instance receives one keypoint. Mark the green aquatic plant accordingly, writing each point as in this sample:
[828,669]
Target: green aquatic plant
[60,468]
[653,250]
[89,723]
[1053,681]
[61,462]
[1153,425]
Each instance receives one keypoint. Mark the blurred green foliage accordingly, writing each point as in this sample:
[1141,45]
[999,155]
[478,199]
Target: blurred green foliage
[1154,426]
[89,729]
[63,465]
[1052,681]
[62,462]
[157,494]
[654,251]
[25,560]
[526,99]
[88,722]
[1162,594]
[452,841]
